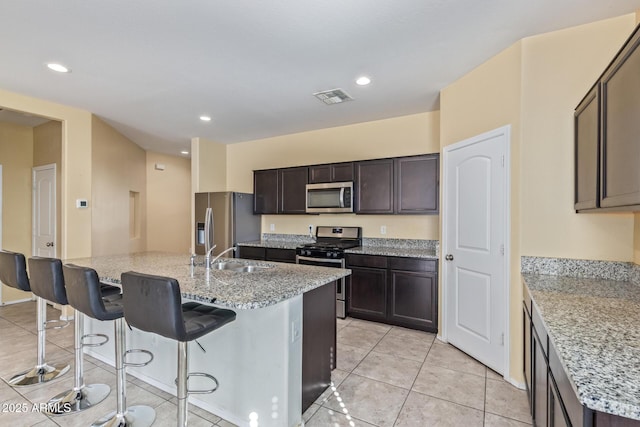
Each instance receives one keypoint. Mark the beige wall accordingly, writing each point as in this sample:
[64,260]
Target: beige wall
[407,135]
[16,158]
[119,167]
[534,86]
[558,70]
[75,171]
[487,98]
[47,149]
[168,203]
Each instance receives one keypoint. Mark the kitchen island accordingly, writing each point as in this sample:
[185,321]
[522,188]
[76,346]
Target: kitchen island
[593,347]
[258,359]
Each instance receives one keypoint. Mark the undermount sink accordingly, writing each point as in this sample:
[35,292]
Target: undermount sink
[238,268]
[226,266]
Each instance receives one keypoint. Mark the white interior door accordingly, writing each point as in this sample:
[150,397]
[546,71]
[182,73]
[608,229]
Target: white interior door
[44,211]
[475,228]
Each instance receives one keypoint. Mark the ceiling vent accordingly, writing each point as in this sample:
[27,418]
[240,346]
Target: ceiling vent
[333,96]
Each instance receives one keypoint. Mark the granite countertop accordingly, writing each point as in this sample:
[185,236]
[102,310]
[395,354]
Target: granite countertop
[277,244]
[594,325]
[230,289]
[364,250]
[394,251]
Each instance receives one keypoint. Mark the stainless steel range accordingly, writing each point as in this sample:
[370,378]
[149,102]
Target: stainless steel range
[328,251]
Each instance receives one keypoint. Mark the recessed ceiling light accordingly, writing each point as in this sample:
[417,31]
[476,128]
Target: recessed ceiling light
[205,118]
[184,152]
[363,81]
[58,67]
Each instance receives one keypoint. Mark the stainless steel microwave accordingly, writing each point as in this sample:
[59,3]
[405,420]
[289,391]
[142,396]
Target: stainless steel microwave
[332,197]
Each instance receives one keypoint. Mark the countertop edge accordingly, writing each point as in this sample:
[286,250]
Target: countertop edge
[590,400]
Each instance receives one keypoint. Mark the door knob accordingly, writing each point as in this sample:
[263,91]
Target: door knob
[49,244]
[448,257]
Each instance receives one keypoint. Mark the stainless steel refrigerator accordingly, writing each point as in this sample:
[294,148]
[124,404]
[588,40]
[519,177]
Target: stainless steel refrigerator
[233,220]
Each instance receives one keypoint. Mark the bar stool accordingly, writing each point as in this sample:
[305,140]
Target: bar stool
[13,272]
[47,281]
[84,294]
[154,304]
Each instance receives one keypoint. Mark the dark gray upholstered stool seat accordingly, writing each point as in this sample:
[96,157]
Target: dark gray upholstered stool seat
[46,286]
[47,281]
[84,292]
[154,304]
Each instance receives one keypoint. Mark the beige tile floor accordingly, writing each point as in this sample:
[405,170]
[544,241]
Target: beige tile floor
[386,376]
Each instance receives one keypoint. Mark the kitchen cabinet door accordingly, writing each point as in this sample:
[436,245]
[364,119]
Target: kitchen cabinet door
[293,192]
[620,174]
[416,184]
[413,299]
[265,191]
[557,416]
[540,386]
[335,172]
[374,182]
[367,293]
[587,149]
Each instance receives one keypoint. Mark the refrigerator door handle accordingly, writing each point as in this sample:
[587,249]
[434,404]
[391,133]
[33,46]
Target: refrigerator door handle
[208,230]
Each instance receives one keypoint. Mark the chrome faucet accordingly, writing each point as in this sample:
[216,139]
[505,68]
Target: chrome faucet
[209,262]
[207,257]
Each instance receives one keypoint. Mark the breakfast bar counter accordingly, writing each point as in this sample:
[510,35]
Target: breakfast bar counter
[257,359]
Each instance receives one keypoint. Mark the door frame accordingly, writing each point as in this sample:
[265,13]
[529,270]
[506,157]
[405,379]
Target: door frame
[1,300]
[33,204]
[504,130]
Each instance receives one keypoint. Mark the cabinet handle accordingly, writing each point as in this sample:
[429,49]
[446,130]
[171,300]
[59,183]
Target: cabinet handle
[448,257]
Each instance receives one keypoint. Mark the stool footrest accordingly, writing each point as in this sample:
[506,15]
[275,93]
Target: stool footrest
[97,344]
[64,324]
[138,365]
[205,391]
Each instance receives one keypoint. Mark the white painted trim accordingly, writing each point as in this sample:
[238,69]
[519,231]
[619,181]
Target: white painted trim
[33,204]
[18,301]
[506,130]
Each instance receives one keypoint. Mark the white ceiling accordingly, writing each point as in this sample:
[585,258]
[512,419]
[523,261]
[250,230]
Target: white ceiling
[150,68]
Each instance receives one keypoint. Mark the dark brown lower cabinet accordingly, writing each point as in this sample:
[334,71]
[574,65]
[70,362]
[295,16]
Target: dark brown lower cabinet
[318,341]
[394,290]
[251,252]
[267,254]
[540,376]
[553,401]
[368,293]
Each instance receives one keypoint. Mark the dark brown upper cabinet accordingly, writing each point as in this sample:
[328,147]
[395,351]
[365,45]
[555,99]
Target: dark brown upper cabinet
[293,192]
[400,185]
[336,172]
[607,146]
[587,147]
[374,181]
[416,184]
[280,191]
[620,155]
[265,191]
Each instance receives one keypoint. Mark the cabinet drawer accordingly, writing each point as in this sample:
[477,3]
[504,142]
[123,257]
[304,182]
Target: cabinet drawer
[526,298]
[281,255]
[372,261]
[540,330]
[251,252]
[412,264]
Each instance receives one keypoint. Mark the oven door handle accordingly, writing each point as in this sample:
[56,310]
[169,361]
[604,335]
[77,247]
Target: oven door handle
[331,261]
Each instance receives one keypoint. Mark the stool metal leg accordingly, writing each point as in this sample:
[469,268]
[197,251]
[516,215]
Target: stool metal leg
[42,372]
[183,378]
[133,416]
[81,396]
